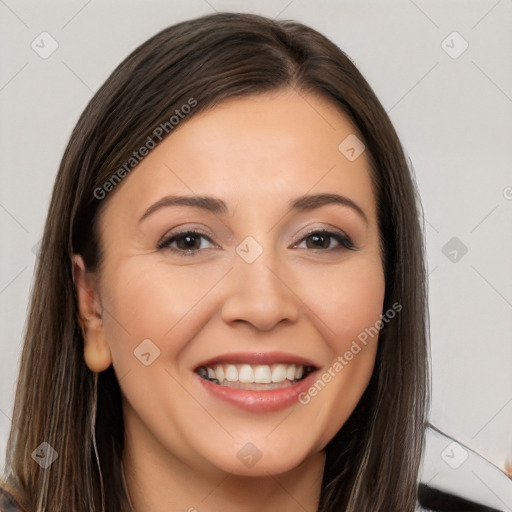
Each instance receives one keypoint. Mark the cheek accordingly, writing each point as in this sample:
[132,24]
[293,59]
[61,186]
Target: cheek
[350,308]
[148,300]
[149,317]
[349,300]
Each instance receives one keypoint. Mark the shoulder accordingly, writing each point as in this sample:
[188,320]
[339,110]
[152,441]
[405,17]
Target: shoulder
[10,496]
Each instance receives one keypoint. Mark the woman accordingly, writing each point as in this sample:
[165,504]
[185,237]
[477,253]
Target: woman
[229,310]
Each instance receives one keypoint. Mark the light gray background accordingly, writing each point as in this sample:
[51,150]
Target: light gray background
[453,116]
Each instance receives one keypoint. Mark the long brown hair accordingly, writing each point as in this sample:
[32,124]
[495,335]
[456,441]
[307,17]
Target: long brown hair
[372,462]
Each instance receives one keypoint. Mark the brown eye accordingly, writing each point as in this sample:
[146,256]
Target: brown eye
[187,242]
[322,239]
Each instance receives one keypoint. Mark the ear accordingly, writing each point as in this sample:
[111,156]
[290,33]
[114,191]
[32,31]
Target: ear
[97,353]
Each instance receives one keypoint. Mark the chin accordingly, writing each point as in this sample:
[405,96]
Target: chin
[263,461]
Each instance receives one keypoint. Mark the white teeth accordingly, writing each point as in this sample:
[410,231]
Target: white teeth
[246,373]
[219,373]
[279,373]
[231,373]
[262,374]
[259,374]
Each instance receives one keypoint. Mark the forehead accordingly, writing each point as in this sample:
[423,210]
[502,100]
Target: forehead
[265,148]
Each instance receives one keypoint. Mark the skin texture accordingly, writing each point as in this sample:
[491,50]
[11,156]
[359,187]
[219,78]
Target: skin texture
[256,154]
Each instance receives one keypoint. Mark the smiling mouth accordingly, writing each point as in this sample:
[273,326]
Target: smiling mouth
[261,377]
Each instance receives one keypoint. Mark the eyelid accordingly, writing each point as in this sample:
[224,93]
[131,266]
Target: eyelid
[325,228]
[186,228]
[163,243]
[332,233]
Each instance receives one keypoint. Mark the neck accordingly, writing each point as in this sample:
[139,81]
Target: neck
[163,484]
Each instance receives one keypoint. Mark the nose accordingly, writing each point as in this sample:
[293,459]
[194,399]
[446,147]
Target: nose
[260,294]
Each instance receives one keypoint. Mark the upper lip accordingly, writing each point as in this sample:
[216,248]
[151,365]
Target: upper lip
[257,358]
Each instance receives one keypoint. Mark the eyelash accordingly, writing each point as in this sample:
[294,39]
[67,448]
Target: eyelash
[340,237]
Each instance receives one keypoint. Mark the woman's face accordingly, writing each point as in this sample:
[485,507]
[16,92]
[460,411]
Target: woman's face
[255,289]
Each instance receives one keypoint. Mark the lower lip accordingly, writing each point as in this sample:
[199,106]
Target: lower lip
[260,401]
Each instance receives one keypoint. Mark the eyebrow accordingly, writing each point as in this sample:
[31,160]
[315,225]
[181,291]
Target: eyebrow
[219,207]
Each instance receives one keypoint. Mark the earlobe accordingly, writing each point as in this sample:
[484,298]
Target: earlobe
[97,353]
